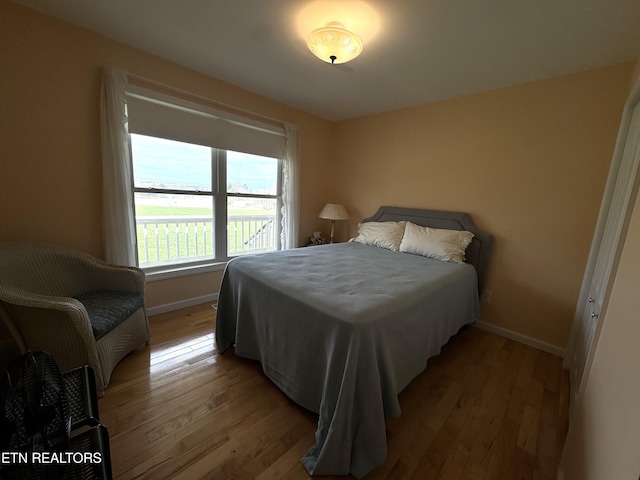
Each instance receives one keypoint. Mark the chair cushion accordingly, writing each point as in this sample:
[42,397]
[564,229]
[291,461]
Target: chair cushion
[108,309]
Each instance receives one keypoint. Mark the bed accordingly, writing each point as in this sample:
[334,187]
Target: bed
[342,329]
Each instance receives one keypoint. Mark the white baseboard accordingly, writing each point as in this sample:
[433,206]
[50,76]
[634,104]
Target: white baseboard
[518,337]
[189,302]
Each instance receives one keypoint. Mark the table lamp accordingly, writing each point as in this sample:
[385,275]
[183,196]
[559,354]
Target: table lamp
[333,212]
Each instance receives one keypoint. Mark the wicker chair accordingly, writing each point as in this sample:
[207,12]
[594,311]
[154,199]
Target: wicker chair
[81,310]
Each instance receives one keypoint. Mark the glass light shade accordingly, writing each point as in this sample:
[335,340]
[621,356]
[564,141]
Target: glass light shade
[334,43]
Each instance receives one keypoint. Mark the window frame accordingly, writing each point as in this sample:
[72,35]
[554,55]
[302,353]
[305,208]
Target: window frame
[221,203]
[220,222]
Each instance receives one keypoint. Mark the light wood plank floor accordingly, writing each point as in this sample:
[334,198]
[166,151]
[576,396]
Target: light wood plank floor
[485,408]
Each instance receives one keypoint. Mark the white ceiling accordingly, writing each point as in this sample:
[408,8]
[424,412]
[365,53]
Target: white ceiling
[415,51]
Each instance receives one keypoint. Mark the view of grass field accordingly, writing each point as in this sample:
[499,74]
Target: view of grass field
[169,211]
[161,242]
[173,211]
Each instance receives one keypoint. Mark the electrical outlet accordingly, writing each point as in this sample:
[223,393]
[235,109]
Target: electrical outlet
[486,296]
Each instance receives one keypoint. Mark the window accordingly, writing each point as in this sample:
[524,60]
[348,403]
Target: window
[187,196]
[253,199]
[205,188]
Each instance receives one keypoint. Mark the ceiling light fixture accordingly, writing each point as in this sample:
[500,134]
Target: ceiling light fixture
[334,43]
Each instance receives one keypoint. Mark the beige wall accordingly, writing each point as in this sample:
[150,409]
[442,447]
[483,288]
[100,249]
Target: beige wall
[50,188]
[529,163]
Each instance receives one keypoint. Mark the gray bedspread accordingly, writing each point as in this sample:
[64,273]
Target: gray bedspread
[342,329]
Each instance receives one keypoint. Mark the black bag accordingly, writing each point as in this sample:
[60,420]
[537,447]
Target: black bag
[34,417]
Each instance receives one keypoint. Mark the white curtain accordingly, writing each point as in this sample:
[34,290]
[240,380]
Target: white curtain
[117,196]
[291,189]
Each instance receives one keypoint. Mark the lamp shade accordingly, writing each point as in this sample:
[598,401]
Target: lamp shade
[334,44]
[334,211]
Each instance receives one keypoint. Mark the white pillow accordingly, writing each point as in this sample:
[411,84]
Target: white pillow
[381,234]
[438,243]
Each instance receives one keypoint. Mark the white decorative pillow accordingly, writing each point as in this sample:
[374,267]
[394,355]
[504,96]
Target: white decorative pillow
[438,243]
[381,234]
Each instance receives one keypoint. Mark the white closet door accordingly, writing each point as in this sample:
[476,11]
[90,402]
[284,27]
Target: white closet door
[622,186]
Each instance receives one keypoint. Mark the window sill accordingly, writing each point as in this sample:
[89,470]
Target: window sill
[153,274]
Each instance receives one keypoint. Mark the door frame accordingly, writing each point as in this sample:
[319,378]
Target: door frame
[613,222]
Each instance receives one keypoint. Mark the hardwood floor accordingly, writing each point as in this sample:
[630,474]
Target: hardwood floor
[485,408]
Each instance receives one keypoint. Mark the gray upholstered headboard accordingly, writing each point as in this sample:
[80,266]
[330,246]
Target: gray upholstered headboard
[478,252]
